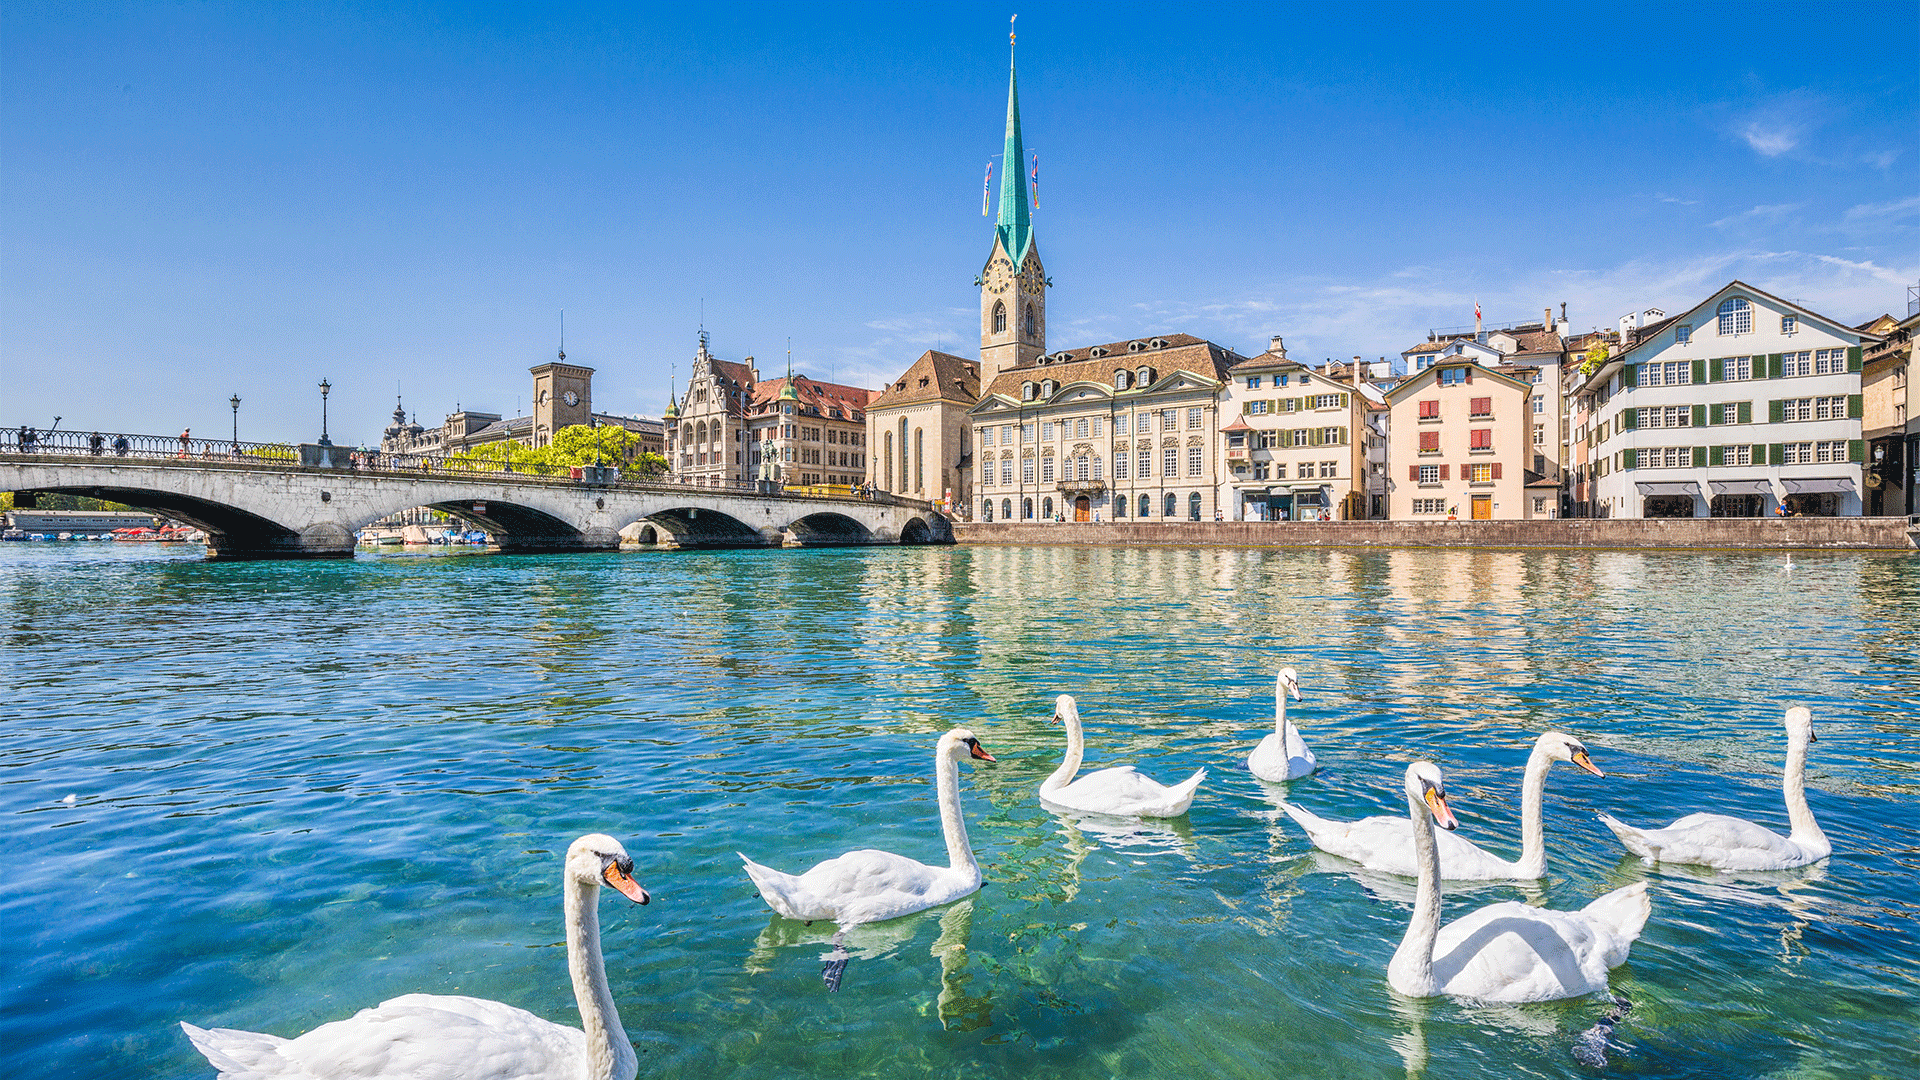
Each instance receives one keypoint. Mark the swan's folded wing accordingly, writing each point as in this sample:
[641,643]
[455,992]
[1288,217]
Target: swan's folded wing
[1719,840]
[1512,952]
[433,1035]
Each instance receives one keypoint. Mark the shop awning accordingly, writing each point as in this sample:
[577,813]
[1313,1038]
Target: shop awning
[1806,487]
[1667,487]
[1740,487]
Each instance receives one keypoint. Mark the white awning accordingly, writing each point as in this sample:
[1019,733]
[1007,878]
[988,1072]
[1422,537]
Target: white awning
[1805,487]
[1667,487]
[1740,487]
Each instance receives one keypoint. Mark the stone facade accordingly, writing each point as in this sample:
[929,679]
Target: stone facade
[917,431]
[731,427]
[562,397]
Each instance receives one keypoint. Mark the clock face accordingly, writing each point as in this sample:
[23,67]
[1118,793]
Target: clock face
[570,398]
[999,274]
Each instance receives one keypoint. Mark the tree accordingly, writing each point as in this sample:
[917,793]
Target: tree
[583,445]
[1595,357]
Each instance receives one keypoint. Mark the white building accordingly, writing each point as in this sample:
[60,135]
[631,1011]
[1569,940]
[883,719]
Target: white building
[1738,407]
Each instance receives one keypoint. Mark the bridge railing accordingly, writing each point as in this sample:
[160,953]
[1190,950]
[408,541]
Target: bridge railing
[114,444]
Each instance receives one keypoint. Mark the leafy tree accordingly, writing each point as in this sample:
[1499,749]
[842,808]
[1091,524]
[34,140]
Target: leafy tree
[572,446]
[1596,356]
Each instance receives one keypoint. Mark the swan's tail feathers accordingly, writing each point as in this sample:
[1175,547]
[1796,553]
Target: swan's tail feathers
[1624,912]
[1192,784]
[773,885]
[239,1055]
[1311,824]
[1631,838]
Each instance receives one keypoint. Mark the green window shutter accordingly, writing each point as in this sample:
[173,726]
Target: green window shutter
[1699,371]
[1856,405]
[1699,416]
[1759,452]
[1773,366]
[1853,358]
[1776,453]
[1630,376]
[1313,437]
[1776,411]
[1343,400]
[1716,370]
[1343,437]
[1699,457]
[1715,415]
[1856,449]
[1629,419]
[1629,459]
[1716,455]
[1746,412]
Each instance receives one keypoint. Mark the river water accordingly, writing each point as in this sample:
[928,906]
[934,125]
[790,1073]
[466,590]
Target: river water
[267,795]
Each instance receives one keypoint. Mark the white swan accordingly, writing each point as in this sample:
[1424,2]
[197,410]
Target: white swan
[436,1035]
[872,886]
[1385,843]
[1732,843]
[1282,755]
[1118,791]
[1507,952]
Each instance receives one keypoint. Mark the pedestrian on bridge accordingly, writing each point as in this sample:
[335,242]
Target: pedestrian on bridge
[186,436]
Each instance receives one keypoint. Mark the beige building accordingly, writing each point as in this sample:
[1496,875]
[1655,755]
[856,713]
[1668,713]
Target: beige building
[730,427]
[917,429]
[1295,448]
[1461,444]
[1890,419]
[562,397]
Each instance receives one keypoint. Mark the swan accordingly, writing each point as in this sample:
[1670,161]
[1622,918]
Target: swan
[437,1035]
[873,886]
[1732,843]
[1385,843]
[1118,791]
[1282,755]
[1506,952]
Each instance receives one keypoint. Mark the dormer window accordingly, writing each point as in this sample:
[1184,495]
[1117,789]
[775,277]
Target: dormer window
[1143,376]
[1120,379]
[1136,346]
[1048,388]
[1026,391]
[1096,351]
[1157,343]
[923,381]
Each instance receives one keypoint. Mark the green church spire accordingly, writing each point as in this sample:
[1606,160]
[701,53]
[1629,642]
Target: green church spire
[1015,224]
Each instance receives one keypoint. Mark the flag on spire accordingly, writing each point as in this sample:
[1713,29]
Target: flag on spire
[986,190]
[1035,178]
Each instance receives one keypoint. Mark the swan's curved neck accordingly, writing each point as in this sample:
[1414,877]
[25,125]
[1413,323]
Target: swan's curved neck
[610,1055]
[1411,969]
[1076,747]
[1806,831]
[1280,713]
[952,822]
[1533,794]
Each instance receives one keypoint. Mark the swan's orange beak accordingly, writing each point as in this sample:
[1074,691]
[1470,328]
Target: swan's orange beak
[1581,759]
[979,752]
[1442,813]
[628,887]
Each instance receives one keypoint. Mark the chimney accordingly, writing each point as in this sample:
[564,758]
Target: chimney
[1277,347]
[1564,327]
[1546,318]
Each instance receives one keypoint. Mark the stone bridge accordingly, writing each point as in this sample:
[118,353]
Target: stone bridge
[280,510]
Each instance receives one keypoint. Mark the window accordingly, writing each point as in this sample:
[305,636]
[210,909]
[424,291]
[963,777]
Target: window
[1256,408]
[1539,434]
[1793,364]
[1026,470]
[1173,505]
[1261,470]
[1046,507]
[1736,455]
[1303,378]
[1833,451]
[1429,442]
[1429,474]
[1480,439]
[1279,470]
[1797,453]
[1429,506]
[1144,459]
[1282,381]
[1082,468]
[1666,457]
[1683,333]
[1539,406]
[1668,373]
[1026,509]
[1665,416]
[1120,380]
[1046,431]
[1046,469]
[1170,461]
[1736,368]
[1324,401]
[1196,460]
[1080,427]
[1480,406]
[1026,432]
[1143,423]
[1329,470]
[1120,506]
[1453,376]
[1481,473]
[1120,466]
[1193,506]
[1266,440]
[1033,324]
[1253,382]
[1736,316]
[1195,417]
[1096,426]
[1146,507]
[1789,323]
[1430,410]
[1169,419]
[1829,361]
[1796,409]
[999,317]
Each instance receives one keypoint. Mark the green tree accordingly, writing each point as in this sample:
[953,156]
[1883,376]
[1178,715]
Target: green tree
[583,445]
[1595,357]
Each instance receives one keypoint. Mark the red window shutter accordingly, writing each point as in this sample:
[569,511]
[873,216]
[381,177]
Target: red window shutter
[1413,473]
[1482,406]
[1429,440]
[1469,375]
[1496,470]
[1443,473]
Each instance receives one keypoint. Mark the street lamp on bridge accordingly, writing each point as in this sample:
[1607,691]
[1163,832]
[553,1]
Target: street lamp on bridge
[235,402]
[325,388]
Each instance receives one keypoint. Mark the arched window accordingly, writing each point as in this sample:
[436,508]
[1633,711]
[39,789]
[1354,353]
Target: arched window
[1736,316]
[1173,505]
[1006,509]
[919,459]
[1146,506]
[1026,391]
[1046,508]
[1119,506]
[905,472]
[1033,324]
[1193,506]
[1120,380]
[1144,376]
[986,510]
[886,455]
[999,317]
[1026,509]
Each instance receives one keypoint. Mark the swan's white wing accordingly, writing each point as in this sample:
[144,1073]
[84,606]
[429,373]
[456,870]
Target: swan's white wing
[1123,792]
[1385,844]
[865,886]
[1717,840]
[1511,952]
[1275,763]
[418,1035]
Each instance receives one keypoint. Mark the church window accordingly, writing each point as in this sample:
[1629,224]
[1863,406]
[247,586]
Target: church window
[919,459]
[1033,325]
[999,317]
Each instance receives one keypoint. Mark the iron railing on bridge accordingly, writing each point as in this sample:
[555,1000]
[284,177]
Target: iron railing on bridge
[228,452]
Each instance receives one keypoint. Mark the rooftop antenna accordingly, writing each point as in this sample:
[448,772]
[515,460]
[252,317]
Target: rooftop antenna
[563,333]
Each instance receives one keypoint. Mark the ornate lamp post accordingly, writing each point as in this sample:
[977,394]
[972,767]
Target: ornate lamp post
[235,402]
[325,388]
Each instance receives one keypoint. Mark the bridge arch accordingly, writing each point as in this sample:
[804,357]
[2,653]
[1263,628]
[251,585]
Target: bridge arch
[828,527]
[699,526]
[232,533]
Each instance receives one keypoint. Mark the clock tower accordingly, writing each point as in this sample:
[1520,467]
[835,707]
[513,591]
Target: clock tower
[562,397]
[1013,284]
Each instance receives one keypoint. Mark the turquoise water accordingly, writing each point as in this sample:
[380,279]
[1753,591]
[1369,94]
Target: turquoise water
[301,789]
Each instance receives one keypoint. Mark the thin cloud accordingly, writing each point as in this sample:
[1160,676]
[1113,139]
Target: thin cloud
[1881,213]
[1676,200]
[1759,215]
[1771,140]
[1782,123]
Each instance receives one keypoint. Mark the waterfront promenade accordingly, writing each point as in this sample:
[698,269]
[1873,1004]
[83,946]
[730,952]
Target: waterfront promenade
[1828,533]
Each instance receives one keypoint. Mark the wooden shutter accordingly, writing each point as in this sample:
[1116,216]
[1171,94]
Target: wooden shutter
[1715,415]
[1759,453]
[1716,455]
[1629,459]
[1716,370]
[1745,409]
[1853,358]
[1773,366]
[1855,405]
[1445,473]
[1776,411]
[1699,416]
[1630,376]
[1699,371]
[1313,437]
[1700,457]
[1469,375]
[1496,470]
[1413,474]
[1344,399]
[1776,453]
[1343,437]
[1856,449]
[1630,419]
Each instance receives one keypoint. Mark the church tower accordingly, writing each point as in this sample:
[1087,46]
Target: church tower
[1013,285]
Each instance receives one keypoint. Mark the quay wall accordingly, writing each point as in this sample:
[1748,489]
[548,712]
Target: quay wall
[1835,533]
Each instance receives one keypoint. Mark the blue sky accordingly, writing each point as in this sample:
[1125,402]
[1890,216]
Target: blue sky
[203,199]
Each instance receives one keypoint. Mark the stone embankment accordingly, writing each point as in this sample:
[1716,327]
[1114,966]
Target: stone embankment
[1838,533]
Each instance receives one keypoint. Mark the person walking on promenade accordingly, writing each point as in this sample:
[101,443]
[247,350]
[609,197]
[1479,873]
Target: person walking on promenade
[186,436]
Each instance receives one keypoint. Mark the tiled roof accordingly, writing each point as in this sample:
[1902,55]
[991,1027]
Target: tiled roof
[812,393]
[1182,352]
[947,378]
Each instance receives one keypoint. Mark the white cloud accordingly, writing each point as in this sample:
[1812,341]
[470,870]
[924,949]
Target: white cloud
[1782,123]
[1759,215]
[1676,200]
[1771,140]
[1881,213]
